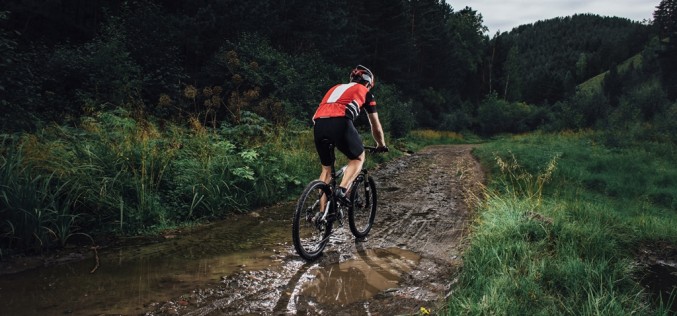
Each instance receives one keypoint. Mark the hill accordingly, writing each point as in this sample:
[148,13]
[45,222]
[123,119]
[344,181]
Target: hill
[543,62]
[594,84]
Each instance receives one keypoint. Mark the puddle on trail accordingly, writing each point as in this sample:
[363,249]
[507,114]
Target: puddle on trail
[373,271]
[128,279]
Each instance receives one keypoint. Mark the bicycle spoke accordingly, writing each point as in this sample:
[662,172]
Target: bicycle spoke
[308,231]
[363,209]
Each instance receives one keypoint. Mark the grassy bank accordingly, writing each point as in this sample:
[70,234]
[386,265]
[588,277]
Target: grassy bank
[562,222]
[123,174]
[116,173]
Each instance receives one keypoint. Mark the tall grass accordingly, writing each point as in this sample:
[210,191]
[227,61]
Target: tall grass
[35,209]
[123,174]
[561,224]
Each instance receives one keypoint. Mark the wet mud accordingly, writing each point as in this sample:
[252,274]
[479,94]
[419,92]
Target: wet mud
[409,260]
[246,265]
[657,273]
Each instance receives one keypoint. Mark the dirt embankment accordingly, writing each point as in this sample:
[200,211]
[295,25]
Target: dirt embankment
[419,235]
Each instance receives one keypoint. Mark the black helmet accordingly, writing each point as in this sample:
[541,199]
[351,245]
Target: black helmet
[362,74]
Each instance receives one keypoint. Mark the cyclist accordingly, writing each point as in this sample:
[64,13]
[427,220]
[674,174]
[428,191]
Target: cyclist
[334,121]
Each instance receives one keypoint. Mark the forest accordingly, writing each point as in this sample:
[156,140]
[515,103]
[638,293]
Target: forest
[127,116]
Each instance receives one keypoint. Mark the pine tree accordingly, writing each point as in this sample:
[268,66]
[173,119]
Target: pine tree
[665,18]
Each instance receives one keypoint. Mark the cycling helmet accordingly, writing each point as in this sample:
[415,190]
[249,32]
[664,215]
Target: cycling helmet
[362,74]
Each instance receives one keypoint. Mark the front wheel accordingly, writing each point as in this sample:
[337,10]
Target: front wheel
[310,235]
[362,210]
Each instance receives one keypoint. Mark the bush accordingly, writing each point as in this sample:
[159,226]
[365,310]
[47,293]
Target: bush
[500,116]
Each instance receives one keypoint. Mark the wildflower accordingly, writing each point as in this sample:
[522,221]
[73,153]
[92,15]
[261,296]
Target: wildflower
[216,101]
[207,91]
[424,311]
[232,58]
[237,79]
[190,92]
[196,125]
[252,94]
[164,100]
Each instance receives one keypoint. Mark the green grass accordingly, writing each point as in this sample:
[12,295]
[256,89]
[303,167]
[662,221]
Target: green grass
[121,174]
[563,220]
[594,84]
[417,139]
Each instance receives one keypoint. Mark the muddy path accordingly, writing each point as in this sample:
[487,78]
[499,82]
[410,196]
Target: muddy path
[246,264]
[409,260]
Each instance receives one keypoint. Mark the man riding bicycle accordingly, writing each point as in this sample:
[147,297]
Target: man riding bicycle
[334,122]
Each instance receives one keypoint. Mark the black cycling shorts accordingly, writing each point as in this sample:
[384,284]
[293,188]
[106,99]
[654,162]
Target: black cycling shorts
[341,132]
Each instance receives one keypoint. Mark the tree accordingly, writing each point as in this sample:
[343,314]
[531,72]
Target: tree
[665,18]
[612,86]
[583,45]
[512,77]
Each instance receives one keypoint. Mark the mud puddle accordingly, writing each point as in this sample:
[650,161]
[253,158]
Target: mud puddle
[134,281]
[130,278]
[342,283]
[409,260]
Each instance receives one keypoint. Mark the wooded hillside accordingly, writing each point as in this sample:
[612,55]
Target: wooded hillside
[434,63]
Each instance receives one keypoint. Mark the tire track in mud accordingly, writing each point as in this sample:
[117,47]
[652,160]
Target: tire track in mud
[423,211]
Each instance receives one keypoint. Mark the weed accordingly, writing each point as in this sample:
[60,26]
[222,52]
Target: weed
[520,183]
[561,239]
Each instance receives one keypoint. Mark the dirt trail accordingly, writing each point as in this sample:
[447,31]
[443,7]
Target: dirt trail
[418,239]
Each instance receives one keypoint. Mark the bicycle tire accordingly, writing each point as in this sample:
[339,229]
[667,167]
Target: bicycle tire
[362,209]
[309,237]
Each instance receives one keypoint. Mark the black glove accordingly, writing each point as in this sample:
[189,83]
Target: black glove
[379,149]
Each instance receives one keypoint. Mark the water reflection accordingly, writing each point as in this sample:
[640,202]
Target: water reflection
[374,270]
[128,279]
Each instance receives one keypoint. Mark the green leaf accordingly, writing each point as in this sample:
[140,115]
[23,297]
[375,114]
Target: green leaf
[249,155]
[244,173]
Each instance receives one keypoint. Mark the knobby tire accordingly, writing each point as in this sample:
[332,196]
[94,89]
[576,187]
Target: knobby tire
[362,210]
[310,238]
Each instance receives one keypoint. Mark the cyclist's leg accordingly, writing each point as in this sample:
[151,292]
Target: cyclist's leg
[322,131]
[326,129]
[325,176]
[351,146]
[351,172]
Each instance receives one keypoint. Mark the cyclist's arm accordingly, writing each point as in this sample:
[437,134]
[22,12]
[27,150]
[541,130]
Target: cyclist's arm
[376,129]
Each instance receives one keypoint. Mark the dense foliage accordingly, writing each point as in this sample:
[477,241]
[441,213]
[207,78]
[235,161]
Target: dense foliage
[145,53]
[543,62]
[666,23]
[62,60]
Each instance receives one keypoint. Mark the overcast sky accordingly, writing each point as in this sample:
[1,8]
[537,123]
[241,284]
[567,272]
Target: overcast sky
[503,15]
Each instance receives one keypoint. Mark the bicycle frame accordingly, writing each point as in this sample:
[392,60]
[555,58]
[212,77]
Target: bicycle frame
[334,175]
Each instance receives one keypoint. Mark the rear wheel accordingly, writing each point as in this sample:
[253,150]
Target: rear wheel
[362,210]
[309,234]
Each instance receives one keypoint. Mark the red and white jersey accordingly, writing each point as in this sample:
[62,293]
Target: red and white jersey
[346,100]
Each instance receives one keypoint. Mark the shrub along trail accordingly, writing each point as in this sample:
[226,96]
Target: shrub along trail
[409,261]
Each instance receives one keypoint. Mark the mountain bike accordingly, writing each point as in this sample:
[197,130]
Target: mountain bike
[318,209]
